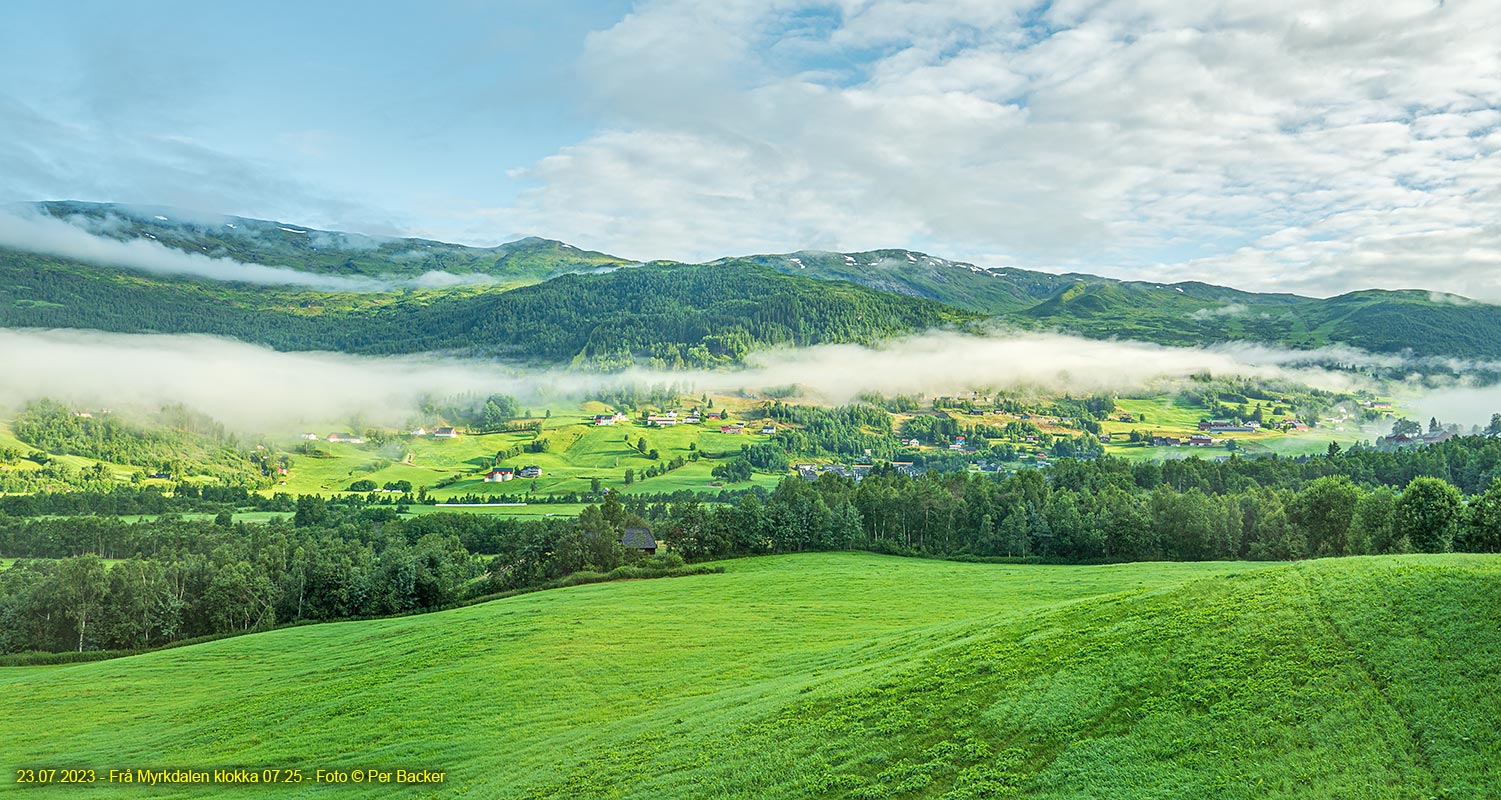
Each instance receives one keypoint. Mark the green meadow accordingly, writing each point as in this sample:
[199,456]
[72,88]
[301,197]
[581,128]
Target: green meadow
[837,675]
[8,441]
[578,453]
[1167,417]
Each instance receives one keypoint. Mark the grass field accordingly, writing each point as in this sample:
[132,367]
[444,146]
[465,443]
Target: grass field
[579,453]
[8,441]
[1165,416]
[840,675]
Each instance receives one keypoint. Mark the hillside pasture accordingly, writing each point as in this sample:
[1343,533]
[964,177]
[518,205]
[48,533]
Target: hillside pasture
[843,675]
[578,453]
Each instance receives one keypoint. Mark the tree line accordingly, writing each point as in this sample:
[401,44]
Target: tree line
[171,578]
[99,583]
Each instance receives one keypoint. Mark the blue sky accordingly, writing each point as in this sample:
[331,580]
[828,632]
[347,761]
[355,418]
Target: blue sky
[410,115]
[1314,146]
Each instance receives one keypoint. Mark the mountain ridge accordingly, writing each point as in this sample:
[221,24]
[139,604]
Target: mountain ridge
[324,252]
[1188,313]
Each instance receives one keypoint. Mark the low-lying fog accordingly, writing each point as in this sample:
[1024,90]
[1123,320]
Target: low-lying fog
[38,233]
[254,388]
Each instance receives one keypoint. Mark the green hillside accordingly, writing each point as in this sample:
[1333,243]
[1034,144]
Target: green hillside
[999,291]
[1185,314]
[280,244]
[839,675]
[586,310]
[681,315]
[1194,314]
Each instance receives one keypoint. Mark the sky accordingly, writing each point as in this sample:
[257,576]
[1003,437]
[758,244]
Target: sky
[1310,147]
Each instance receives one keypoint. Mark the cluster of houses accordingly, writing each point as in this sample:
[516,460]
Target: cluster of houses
[346,438]
[1196,440]
[1377,405]
[1403,441]
[809,472]
[447,432]
[349,438]
[665,419]
[502,474]
[668,419]
[1229,426]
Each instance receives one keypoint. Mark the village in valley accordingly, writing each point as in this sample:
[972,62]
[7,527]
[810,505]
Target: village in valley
[691,442]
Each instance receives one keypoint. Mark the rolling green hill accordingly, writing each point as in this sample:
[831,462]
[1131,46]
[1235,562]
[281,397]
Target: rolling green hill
[839,675]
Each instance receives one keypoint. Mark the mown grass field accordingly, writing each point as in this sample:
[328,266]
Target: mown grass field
[840,675]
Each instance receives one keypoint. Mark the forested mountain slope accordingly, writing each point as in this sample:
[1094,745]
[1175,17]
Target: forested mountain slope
[604,318]
[281,244]
[1190,313]
[680,315]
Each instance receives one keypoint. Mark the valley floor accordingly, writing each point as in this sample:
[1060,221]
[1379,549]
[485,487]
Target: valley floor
[836,675]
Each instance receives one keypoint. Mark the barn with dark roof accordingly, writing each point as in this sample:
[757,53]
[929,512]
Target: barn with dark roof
[639,539]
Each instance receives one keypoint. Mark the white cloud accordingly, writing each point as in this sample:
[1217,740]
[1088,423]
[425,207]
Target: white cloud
[1295,146]
[36,233]
[1229,310]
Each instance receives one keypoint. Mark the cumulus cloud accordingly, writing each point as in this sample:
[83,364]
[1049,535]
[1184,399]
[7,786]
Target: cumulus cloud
[1284,145]
[36,233]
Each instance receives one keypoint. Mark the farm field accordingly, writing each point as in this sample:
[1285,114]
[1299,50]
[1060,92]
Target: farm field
[578,453]
[840,675]
[1166,417]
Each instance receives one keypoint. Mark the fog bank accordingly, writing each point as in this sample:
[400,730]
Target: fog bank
[37,233]
[254,388]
